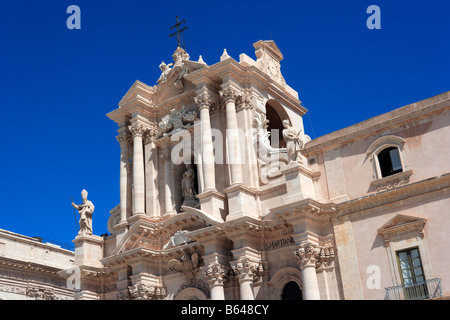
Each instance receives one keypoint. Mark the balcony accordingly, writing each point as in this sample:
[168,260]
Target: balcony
[428,289]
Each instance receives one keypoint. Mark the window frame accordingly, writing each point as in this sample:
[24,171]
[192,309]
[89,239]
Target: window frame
[393,180]
[416,288]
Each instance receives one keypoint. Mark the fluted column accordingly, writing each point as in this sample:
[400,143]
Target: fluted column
[137,129]
[165,156]
[229,96]
[215,274]
[124,139]
[203,101]
[308,256]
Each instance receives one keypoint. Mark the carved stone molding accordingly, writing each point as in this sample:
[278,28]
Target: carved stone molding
[197,284]
[325,258]
[143,292]
[243,102]
[392,181]
[321,257]
[40,294]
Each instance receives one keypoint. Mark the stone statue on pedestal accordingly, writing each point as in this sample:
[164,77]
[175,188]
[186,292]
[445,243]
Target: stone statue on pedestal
[187,188]
[293,140]
[85,210]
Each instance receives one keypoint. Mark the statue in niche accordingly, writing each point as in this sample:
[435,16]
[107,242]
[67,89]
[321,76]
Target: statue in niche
[85,210]
[187,188]
[165,69]
[294,143]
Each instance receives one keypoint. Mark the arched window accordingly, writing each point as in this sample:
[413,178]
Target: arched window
[291,291]
[389,165]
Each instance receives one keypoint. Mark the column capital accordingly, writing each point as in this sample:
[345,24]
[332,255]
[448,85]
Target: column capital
[247,270]
[203,100]
[124,138]
[229,94]
[137,129]
[215,273]
[308,255]
[150,134]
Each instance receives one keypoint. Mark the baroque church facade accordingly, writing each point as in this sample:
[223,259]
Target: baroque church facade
[224,197]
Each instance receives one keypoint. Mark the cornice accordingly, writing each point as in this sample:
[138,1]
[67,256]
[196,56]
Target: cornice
[32,241]
[397,117]
[399,196]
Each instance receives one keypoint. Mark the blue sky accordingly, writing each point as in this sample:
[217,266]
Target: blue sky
[57,84]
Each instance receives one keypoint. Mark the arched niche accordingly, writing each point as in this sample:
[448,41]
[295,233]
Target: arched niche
[275,113]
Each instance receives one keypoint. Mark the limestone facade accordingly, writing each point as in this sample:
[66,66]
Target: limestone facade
[258,225]
[31,269]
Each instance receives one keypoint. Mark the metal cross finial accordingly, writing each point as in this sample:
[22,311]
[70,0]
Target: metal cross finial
[178,33]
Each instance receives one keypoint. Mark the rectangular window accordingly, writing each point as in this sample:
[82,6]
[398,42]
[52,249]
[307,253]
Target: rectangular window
[411,271]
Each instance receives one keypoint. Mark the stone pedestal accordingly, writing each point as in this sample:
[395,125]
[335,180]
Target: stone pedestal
[88,250]
[299,182]
[213,202]
[241,202]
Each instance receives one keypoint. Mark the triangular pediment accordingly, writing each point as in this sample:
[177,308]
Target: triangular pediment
[268,46]
[139,91]
[171,87]
[402,223]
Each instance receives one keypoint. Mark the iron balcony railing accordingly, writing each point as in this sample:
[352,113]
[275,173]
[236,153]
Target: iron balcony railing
[428,289]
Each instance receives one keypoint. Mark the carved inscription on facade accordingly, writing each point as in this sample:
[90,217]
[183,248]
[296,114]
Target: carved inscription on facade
[279,243]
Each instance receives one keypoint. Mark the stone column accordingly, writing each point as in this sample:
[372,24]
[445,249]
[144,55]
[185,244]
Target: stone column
[150,162]
[307,258]
[137,129]
[203,101]
[165,156]
[124,139]
[229,96]
[215,274]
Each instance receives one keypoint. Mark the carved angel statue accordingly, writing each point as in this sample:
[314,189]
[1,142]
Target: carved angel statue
[165,68]
[188,264]
[85,210]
